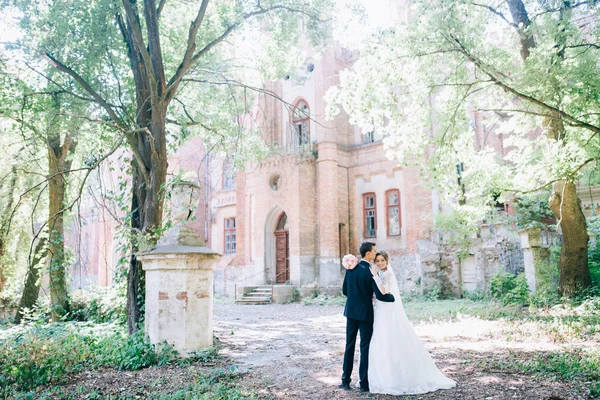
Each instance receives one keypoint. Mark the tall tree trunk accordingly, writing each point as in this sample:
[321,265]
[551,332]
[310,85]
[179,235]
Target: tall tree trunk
[31,291]
[574,270]
[147,203]
[56,244]
[6,219]
[2,276]
[58,169]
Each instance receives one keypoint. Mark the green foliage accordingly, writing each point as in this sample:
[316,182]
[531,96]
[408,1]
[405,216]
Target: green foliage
[579,365]
[475,295]
[99,305]
[509,289]
[533,211]
[448,86]
[219,384]
[594,250]
[32,355]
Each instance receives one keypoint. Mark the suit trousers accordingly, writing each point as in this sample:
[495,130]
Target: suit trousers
[353,326]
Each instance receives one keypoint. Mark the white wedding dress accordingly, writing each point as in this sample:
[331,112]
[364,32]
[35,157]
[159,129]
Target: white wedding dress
[398,362]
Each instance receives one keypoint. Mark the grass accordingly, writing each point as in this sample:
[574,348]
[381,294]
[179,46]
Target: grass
[576,365]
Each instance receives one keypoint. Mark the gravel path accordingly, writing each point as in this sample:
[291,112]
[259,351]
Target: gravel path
[295,351]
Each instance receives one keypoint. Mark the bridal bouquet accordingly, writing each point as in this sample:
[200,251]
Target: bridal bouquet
[349,261]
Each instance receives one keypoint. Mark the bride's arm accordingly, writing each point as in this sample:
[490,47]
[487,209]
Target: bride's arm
[380,284]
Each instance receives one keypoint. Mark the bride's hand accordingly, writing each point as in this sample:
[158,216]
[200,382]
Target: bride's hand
[374,270]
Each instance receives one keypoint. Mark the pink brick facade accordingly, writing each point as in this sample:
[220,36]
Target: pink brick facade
[321,190]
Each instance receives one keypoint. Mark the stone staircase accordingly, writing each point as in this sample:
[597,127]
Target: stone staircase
[259,295]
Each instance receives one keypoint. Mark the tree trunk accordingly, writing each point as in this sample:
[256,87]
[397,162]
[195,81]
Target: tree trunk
[6,218]
[31,291]
[147,205]
[58,169]
[2,277]
[56,235]
[574,271]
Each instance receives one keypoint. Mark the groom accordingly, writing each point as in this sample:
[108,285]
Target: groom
[359,287]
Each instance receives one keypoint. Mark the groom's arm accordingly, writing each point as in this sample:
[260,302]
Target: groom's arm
[388,298]
[345,285]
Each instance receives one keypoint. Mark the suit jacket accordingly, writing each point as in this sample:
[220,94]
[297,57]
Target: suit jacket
[359,286]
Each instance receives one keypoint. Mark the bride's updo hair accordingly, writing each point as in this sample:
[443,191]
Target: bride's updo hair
[384,254]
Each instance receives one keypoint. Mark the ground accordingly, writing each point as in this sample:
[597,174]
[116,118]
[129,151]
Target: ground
[294,351]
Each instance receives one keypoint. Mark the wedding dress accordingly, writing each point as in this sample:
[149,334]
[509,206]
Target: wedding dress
[398,362]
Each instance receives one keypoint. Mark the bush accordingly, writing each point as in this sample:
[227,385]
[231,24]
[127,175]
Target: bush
[99,305]
[34,354]
[594,250]
[475,295]
[510,289]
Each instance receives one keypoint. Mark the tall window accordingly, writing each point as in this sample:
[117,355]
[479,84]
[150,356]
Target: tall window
[370,215]
[229,174]
[230,241]
[301,124]
[394,221]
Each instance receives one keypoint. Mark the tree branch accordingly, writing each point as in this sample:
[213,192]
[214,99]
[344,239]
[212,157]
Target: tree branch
[555,111]
[63,68]
[498,13]
[161,5]
[174,81]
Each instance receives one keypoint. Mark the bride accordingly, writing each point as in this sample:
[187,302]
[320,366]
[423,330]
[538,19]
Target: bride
[398,361]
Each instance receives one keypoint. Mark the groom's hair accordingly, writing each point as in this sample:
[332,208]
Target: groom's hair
[365,248]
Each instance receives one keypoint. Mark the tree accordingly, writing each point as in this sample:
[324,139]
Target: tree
[132,58]
[456,72]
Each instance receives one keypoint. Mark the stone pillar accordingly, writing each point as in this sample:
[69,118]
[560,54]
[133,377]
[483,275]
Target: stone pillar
[179,296]
[179,281]
[328,260]
[428,260]
[535,256]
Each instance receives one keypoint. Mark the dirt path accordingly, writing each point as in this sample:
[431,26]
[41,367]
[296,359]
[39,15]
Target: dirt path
[295,352]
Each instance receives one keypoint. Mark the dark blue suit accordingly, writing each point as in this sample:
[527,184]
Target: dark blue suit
[359,286]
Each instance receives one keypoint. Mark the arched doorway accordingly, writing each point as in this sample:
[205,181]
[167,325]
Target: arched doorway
[282,250]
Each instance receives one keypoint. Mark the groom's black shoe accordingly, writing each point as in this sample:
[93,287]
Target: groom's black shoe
[345,386]
[364,390]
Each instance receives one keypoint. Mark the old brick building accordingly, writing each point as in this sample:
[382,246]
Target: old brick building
[325,188]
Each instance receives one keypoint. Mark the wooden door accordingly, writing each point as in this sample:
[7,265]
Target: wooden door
[282,255]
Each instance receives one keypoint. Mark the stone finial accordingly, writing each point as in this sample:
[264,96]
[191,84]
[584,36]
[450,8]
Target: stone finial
[184,198]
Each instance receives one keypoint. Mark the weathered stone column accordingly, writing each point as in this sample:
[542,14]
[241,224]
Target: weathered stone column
[428,260]
[535,256]
[179,283]
[179,296]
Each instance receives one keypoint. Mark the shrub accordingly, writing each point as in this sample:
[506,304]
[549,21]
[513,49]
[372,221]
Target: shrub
[36,354]
[99,305]
[594,250]
[510,289]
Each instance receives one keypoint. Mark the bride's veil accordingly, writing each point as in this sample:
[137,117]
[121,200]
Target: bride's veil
[393,282]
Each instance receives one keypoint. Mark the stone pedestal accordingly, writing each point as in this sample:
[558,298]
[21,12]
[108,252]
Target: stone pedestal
[428,260]
[179,296]
[536,257]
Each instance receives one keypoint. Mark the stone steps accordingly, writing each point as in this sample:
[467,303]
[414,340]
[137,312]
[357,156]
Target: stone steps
[257,296]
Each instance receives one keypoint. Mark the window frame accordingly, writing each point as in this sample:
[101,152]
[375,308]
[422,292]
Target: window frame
[229,237]
[301,118]
[388,207]
[365,217]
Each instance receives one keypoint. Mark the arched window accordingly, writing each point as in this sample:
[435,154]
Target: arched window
[301,124]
